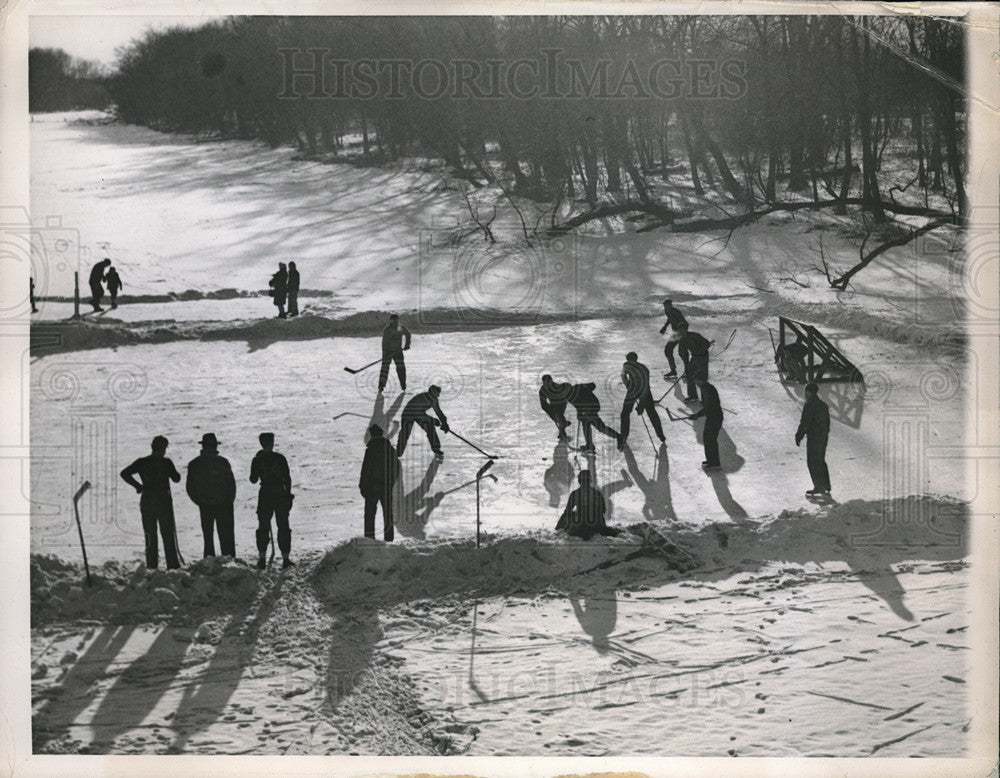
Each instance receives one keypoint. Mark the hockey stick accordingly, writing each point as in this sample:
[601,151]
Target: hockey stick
[470,443]
[675,418]
[76,512]
[671,388]
[648,433]
[370,364]
[728,342]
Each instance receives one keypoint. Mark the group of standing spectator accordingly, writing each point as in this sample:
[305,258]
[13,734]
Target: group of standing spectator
[285,287]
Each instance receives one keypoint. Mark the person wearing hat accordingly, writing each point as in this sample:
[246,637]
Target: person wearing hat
[583,516]
[553,398]
[274,498]
[395,340]
[379,472]
[635,376]
[415,412]
[211,486]
[674,321]
[156,507]
[814,425]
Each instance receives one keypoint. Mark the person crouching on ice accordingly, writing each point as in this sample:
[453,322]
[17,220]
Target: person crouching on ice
[584,514]
[415,412]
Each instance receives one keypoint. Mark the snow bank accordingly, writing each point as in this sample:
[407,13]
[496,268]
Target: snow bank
[117,594]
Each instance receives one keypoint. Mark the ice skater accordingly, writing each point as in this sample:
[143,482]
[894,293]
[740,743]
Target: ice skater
[211,486]
[415,412]
[379,472]
[273,499]
[674,321]
[711,409]
[697,346]
[395,340]
[583,516]
[553,398]
[156,507]
[588,409]
[114,283]
[635,376]
[97,283]
[814,426]
[279,289]
[293,290]
[31,295]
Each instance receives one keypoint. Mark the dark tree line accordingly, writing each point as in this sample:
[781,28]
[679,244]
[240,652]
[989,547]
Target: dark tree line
[59,82]
[845,111]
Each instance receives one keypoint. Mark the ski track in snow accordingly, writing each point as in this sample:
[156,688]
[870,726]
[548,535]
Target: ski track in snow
[776,629]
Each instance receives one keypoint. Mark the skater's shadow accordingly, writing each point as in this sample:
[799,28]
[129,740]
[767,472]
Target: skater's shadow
[140,687]
[352,646]
[597,615]
[384,418]
[558,477]
[415,507]
[74,693]
[720,483]
[658,500]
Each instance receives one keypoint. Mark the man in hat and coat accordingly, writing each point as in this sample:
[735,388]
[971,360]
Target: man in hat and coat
[211,486]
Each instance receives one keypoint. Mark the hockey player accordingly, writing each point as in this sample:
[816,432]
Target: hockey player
[635,376]
[415,412]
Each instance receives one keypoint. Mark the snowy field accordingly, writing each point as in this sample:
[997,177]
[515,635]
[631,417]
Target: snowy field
[734,618]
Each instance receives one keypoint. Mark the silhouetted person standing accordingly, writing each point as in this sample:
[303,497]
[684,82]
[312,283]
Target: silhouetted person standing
[583,516]
[415,412]
[155,503]
[279,289]
[635,376]
[711,409]
[31,295]
[553,398]
[274,498]
[97,283]
[293,290]
[379,472]
[211,486]
[588,409]
[114,284]
[815,427]
[697,346]
[674,321]
[395,340]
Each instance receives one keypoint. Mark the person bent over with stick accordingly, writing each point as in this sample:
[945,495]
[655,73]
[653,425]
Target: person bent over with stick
[697,346]
[155,503]
[553,398]
[588,409]
[395,340]
[583,516]
[635,376]
[274,498]
[415,412]
[211,486]
[379,473]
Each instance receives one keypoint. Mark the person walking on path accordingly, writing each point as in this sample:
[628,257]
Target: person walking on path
[156,506]
[588,409]
[635,376]
[583,516]
[279,289]
[211,486]
[395,340]
[697,346]
[711,409]
[674,321]
[293,290]
[415,412]
[114,284]
[97,283]
[379,472]
[553,398]
[814,425]
[273,499]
